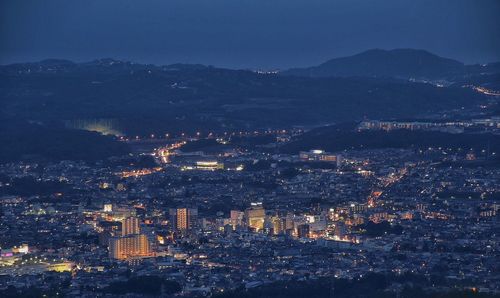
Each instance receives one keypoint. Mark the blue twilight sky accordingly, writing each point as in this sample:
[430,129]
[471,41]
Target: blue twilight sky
[245,33]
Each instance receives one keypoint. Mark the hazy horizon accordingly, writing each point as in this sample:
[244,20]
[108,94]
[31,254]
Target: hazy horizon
[206,64]
[245,34]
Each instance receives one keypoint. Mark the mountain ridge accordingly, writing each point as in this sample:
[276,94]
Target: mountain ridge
[145,98]
[401,63]
[396,63]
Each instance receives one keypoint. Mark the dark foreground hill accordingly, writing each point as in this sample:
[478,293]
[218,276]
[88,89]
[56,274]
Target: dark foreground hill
[144,99]
[29,141]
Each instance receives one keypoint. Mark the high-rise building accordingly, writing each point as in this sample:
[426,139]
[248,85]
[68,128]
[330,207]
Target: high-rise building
[278,225]
[303,231]
[316,222]
[289,222]
[236,218]
[183,219]
[255,217]
[130,226]
[340,230]
[129,246]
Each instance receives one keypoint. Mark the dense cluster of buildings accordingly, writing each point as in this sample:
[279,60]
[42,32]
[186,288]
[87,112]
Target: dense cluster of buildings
[491,124]
[279,217]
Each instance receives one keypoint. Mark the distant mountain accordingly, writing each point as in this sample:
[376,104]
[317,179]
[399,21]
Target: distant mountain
[398,63]
[106,65]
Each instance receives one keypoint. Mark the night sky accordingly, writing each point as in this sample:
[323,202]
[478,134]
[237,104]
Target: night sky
[245,33]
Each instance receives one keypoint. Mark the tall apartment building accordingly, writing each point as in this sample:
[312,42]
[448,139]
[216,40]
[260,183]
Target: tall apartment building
[183,219]
[130,226]
[255,217]
[237,218]
[122,248]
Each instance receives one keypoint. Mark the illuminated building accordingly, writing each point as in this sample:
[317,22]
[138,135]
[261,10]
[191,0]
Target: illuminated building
[355,220]
[121,213]
[204,166]
[61,267]
[160,239]
[183,219]
[108,208]
[320,155]
[130,226]
[255,216]
[340,230]
[470,156]
[6,253]
[138,173]
[103,185]
[356,208]
[278,226]
[316,222]
[209,165]
[121,187]
[379,217]
[129,246]
[391,125]
[406,215]
[487,213]
[237,218]
[372,199]
[289,221]
[23,249]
